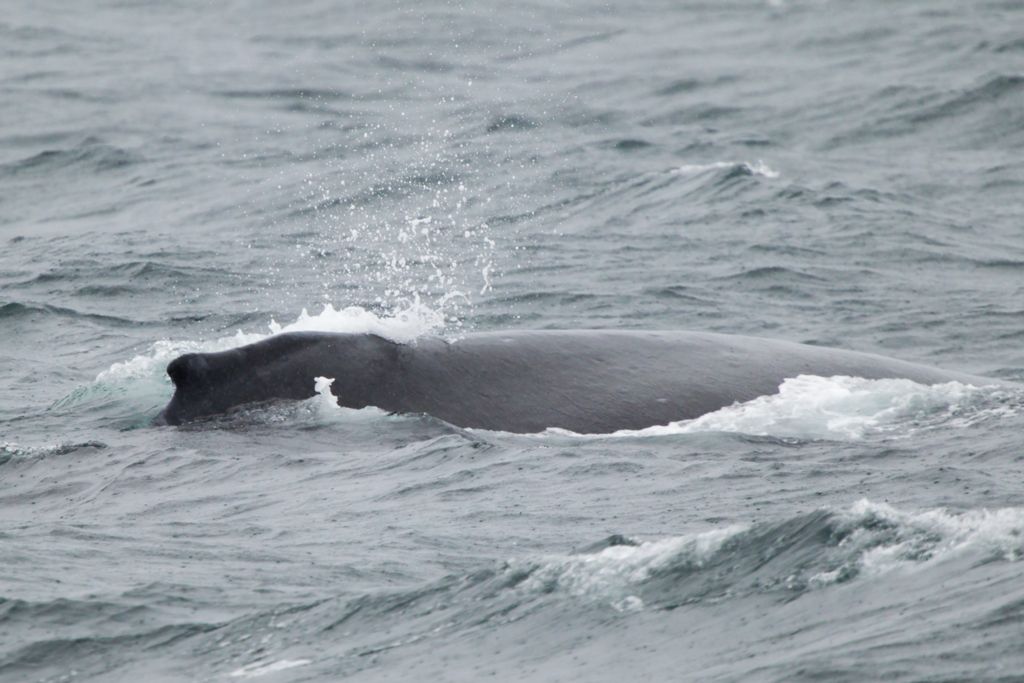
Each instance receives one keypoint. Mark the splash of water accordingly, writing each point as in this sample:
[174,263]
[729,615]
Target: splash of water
[835,408]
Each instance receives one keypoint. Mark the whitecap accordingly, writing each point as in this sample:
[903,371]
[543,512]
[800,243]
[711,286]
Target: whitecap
[758,168]
[879,538]
[611,574]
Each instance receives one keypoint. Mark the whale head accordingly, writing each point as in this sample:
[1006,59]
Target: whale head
[199,390]
[280,367]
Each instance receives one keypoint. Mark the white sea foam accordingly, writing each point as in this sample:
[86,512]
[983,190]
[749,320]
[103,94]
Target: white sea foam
[613,572]
[758,168]
[327,407]
[882,538]
[326,402]
[261,668]
[11,450]
[402,325]
[839,407]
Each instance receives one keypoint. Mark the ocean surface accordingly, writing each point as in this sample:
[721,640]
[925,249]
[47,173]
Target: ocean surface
[184,175]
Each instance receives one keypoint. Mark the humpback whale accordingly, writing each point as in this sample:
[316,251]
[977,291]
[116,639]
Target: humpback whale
[586,381]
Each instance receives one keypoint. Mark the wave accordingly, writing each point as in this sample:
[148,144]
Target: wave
[805,553]
[45,653]
[629,144]
[984,113]
[261,667]
[9,451]
[311,93]
[15,310]
[781,561]
[757,168]
[774,273]
[510,123]
[91,154]
[633,196]
[989,92]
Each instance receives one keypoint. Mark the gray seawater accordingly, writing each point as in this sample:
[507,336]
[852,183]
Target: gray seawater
[845,174]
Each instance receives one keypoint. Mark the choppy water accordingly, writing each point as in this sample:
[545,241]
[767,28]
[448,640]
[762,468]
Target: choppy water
[176,176]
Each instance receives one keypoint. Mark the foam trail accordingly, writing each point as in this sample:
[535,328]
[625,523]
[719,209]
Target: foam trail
[836,408]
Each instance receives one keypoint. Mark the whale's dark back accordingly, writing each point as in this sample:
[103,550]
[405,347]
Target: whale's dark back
[588,381]
[598,381]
